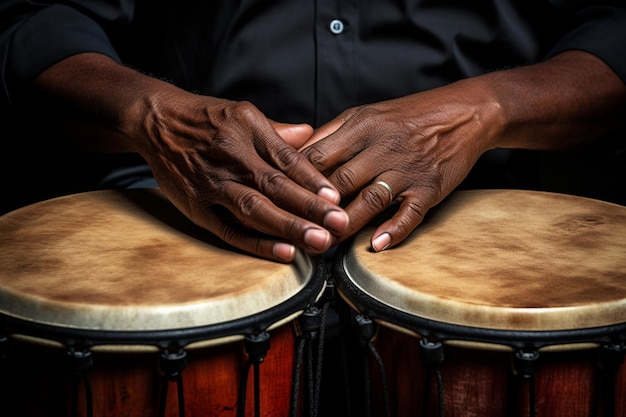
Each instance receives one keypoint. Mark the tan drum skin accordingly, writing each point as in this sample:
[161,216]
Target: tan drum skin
[127,260]
[504,259]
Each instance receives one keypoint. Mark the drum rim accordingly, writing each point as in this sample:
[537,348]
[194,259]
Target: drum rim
[180,337]
[438,330]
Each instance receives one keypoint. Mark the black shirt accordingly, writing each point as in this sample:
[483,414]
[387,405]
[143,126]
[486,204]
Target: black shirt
[305,61]
[297,60]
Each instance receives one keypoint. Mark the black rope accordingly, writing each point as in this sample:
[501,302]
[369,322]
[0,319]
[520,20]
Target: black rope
[163,398]
[524,366]
[310,377]
[383,377]
[256,346]
[313,326]
[257,390]
[367,330]
[171,364]
[297,370]
[320,359]
[432,355]
[181,396]
[440,393]
[243,385]
[80,362]
[76,380]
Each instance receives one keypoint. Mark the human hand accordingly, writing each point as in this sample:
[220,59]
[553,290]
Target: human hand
[422,146]
[236,173]
[222,163]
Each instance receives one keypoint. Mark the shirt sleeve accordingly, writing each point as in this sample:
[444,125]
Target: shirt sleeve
[600,30]
[32,38]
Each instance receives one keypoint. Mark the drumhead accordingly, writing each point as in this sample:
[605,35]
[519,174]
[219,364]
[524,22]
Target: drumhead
[499,259]
[128,260]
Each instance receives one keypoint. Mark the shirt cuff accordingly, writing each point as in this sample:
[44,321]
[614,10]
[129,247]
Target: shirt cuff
[47,38]
[603,35]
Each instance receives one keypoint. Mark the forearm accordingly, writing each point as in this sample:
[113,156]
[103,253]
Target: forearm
[102,102]
[567,101]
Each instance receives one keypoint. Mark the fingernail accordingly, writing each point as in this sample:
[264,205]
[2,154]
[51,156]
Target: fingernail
[336,221]
[317,239]
[284,251]
[329,194]
[381,242]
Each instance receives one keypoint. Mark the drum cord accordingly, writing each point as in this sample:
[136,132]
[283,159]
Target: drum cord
[432,355]
[257,346]
[181,395]
[295,390]
[81,360]
[88,394]
[525,365]
[427,384]
[320,355]
[367,330]
[383,376]
[171,366]
[515,402]
[313,327]
[257,390]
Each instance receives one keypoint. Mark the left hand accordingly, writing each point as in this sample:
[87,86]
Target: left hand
[422,146]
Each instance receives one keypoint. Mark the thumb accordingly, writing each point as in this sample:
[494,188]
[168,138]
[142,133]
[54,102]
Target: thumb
[295,135]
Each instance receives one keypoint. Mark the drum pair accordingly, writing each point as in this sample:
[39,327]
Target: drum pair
[502,303]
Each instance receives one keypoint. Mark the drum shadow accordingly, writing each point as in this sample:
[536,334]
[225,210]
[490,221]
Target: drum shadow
[153,202]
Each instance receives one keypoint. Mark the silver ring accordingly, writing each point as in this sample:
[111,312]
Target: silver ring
[386,186]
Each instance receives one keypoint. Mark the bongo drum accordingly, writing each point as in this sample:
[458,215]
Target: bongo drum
[108,298]
[501,303]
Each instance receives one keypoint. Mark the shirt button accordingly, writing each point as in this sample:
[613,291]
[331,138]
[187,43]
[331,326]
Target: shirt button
[336,26]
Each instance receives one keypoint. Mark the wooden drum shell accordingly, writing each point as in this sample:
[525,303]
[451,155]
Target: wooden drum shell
[124,275]
[489,273]
[128,382]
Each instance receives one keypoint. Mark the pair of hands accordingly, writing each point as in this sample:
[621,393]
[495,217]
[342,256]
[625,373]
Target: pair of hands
[266,187]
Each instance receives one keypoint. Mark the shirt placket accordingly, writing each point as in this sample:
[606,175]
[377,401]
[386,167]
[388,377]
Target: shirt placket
[335,37]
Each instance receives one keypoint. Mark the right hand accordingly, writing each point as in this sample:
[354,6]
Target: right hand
[227,168]
[222,163]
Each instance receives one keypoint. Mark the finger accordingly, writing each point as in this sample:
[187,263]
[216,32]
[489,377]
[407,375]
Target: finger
[361,170]
[299,201]
[297,168]
[294,134]
[337,147]
[322,132]
[223,225]
[369,203]
[409,215]
[259,212]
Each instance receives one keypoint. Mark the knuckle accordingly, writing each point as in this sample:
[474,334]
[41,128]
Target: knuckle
[292,230]
[315,157]
[376,197]
[228,234]
[241,110]
[415,213]
[249,204]
[344,179]
[270,181]
[287,156]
